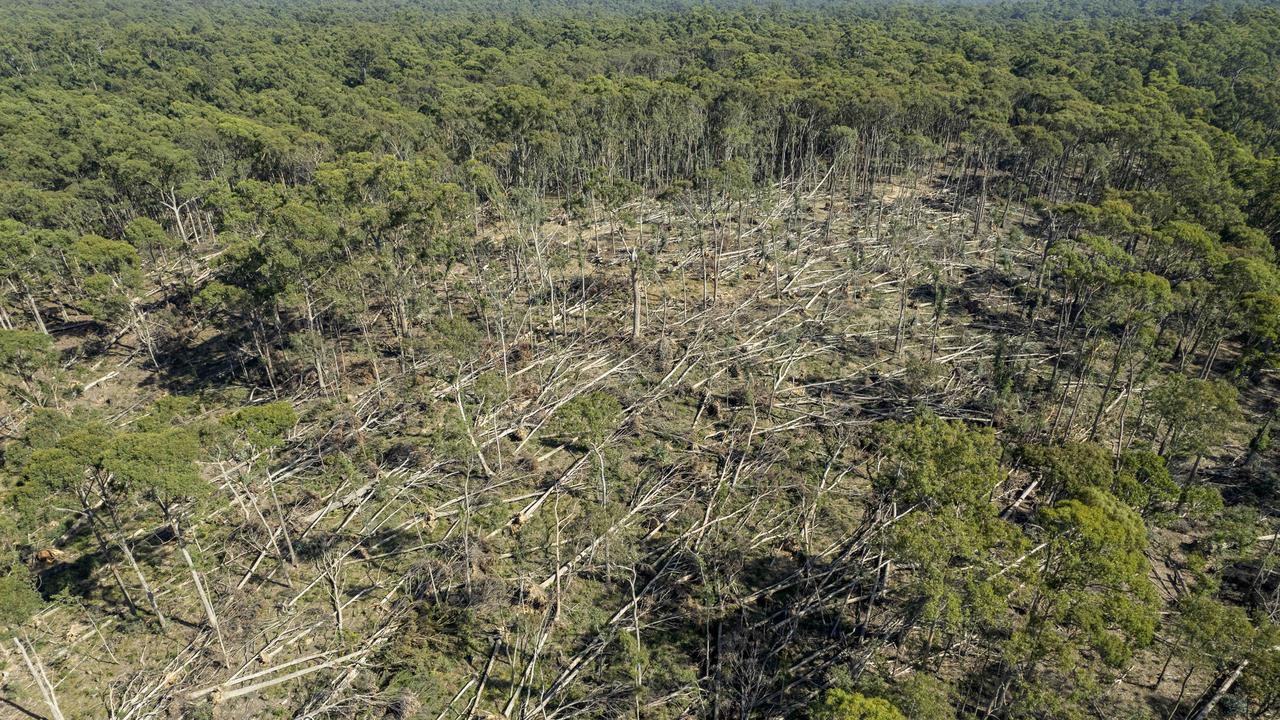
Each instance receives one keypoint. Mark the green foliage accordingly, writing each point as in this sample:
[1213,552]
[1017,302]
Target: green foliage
[108,257]
[76,461]
[921,696]
[1261,681]
[24,353]
[943,473]
[489,389]
[1095,579]
[455,336]
[18,597]
[1143,479]
[105,299]
[1201,501]
[52,470]
[57,454]
[166,412]
[1197,413]
[147,235]
[162,463]
[936,463]
[1070,469]
[265,425]
[589,418]
[1211,632]
[839,704]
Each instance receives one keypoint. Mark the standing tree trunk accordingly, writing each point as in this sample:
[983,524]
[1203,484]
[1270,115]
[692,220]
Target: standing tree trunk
[635,295]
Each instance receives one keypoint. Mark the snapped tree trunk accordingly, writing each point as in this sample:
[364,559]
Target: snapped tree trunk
[1223,687]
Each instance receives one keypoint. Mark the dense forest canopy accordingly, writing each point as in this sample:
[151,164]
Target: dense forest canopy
[555,359]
